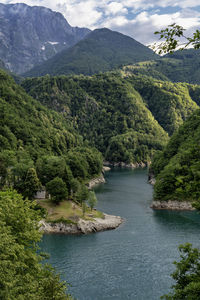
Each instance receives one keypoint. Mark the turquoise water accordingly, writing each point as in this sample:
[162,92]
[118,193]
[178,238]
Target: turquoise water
[133,261]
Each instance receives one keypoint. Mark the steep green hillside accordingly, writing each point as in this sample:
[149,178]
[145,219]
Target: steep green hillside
[170,103]
[102,50]
[38,145]
[106,110]
[177,167]
[25,123]
[181,66]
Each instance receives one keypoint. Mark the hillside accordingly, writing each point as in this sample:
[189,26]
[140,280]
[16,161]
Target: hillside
[181,66]
[30,35]
[38,145]
[170,103]
[102,50]
[118,113]
[177,167]
[106,110]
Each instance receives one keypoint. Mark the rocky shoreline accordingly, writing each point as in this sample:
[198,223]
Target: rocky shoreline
[93,182]
[108,222]
[125,165]
[172,205]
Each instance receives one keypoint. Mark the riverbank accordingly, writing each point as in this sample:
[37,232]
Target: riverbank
[107,222]
[95,181]
[172,205]
[126,165]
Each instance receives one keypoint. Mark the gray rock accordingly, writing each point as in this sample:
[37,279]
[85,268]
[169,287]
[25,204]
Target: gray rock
[96,181]
[172,205]
[31,35]
[83,226]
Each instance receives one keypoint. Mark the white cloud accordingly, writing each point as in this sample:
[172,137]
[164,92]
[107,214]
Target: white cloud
[115,8]
[118,15]
[142,28]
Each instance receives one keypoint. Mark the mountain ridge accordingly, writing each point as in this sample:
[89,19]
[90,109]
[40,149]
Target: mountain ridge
[31,34]
[100,51]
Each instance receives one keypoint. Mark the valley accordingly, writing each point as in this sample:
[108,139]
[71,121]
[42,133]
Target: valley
[75,102]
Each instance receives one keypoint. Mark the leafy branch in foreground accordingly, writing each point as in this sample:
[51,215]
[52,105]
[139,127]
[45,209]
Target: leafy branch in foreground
[186,275]
[174,38]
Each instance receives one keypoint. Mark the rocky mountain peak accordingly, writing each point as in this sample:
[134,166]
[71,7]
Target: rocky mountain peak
[30,35]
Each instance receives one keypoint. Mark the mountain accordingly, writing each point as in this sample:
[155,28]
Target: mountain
[2,65]
[181,66]
[37,142]
[106,110]
[170,103]
[31,35]
[101,50]
[177,167]
[126,117]
[25,122]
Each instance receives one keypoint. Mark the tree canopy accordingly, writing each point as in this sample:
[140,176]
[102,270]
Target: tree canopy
[22,275]
[174,38]
[186,275]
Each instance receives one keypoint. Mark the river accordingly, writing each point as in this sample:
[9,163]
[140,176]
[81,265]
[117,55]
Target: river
[133,262]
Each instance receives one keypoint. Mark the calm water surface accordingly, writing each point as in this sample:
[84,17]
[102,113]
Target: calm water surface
[132,262]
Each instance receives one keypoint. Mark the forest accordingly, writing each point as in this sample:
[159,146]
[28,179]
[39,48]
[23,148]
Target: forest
[127,117]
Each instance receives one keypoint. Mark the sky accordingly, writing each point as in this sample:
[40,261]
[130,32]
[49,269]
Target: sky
[136,18]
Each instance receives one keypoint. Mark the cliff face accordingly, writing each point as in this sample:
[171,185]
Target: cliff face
[31,35]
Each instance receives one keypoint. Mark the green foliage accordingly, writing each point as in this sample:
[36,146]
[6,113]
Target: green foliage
[57,189]
[82,193]
[31,183]
[102,50]
[177,167]
[35,138]
[186,275]
[170,103]
[92,199]
[181,66]
[22,276]
[172,35]
[107,111]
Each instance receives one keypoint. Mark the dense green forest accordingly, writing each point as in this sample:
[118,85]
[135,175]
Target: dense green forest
[22,276]
[170,103]
[177,167]
[38,145]
[106,110]
[102,50]
[122,115]
[181,66]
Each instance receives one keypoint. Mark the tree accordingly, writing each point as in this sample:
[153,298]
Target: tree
[92,199]
[82,193]
[22,276]
[31,184]
[74,185]
[57,189]
[186,275]
[172,36]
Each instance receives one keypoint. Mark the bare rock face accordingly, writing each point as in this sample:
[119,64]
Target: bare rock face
[31,35]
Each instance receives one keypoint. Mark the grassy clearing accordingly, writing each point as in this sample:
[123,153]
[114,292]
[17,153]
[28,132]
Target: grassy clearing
[68,211]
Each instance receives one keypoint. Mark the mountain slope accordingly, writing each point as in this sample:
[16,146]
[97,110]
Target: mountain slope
[101,50]
[39,145]
[170,103]
[181,66]
[106,110]
[177,167]
[25,123]
[31,35]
